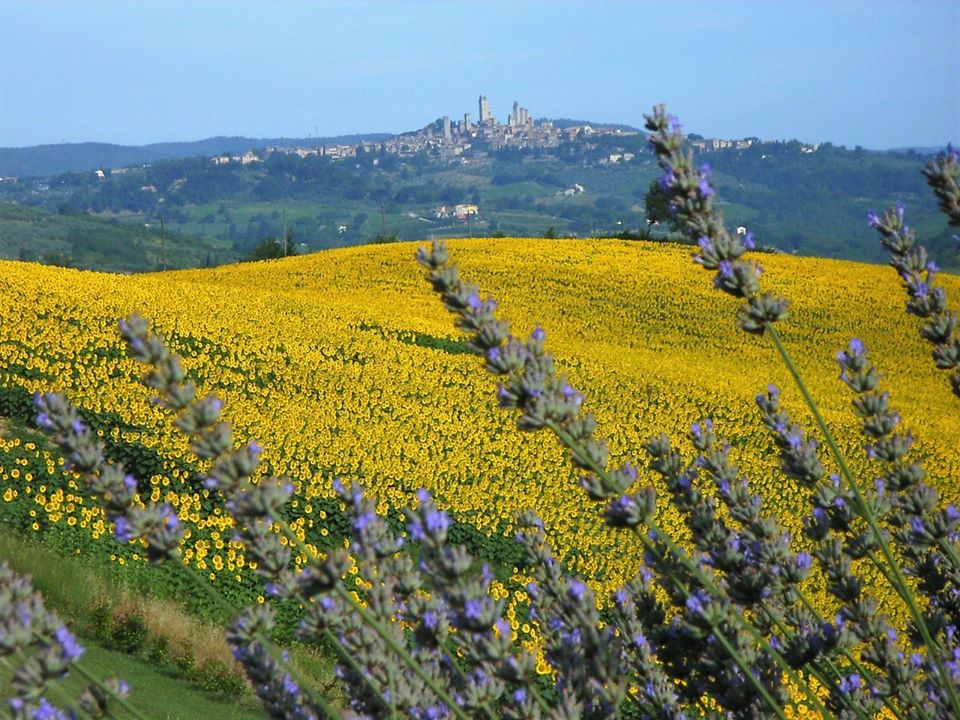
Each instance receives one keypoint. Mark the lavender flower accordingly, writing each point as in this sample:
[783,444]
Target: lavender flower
[917,271]
[38,647]
[691,197]
[729,617]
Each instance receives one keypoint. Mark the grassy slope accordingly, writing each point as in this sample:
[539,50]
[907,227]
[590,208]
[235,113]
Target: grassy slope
[90,243]
[74,586]
[155,694]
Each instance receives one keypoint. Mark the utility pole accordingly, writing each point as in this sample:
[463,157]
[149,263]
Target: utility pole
[163,246]
[383,222]
[284,231]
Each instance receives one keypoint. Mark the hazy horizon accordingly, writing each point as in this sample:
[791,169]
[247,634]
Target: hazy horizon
[875,74]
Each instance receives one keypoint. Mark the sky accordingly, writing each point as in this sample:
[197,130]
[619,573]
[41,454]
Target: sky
[875,73]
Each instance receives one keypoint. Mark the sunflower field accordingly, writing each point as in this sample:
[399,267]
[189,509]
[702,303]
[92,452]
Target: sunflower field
[343,364]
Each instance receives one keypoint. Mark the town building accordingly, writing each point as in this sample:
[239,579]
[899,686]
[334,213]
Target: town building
[485,115]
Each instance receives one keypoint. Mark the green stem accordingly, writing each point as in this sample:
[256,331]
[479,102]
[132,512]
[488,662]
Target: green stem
[857,665]
[302,547]
[401,651]
[727,646]
[374,623]
[392,689]
[453,663]
[817,671]
[120,700]
[67,700]
[544,707]
[950,551]
[202,583]
[701,577]
[272,650]
[898,581]
[346,657]
[318,701]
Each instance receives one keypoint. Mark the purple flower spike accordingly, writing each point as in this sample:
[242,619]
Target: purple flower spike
[666,180]
[437,520]
[850,684]
[363,521]
[46,711]
[695,602]
[123,531]
[71,648]
[170,517]
[577,588]
[473,609]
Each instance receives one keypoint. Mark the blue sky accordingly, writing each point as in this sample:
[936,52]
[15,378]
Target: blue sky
[874,72]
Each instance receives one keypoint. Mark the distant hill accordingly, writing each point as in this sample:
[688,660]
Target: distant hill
[44,160]
[808,200]
[916,150]
[90,243]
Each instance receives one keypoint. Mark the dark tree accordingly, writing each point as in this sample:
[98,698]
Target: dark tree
[657,204]
[270,248]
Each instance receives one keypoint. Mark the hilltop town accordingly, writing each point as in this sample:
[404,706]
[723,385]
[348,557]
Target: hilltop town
[446,139]
[464,140]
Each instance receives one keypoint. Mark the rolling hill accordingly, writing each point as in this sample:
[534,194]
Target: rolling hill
[91,243]
[343,363]
[44,160]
